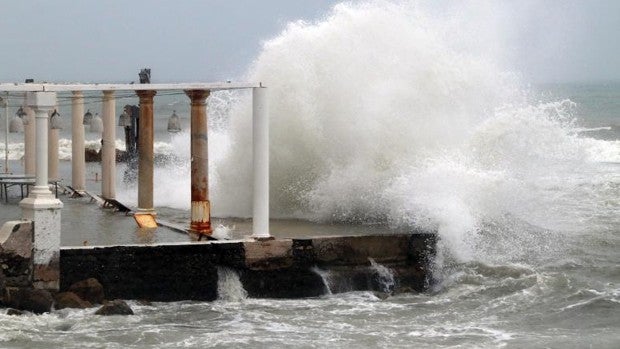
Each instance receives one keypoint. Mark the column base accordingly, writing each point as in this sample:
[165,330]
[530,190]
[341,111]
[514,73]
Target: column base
[201,218]
[145,218]
[44,210]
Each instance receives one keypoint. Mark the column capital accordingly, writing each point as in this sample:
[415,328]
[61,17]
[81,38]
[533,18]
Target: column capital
[108,93]
[41,100]
[198,96]
[77,93]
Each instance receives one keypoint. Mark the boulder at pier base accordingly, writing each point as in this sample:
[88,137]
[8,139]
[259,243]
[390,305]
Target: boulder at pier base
[89,290]
[33,300]
[70,300]
[115,307]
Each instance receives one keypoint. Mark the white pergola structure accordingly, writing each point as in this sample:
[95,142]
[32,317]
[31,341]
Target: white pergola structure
[44,209]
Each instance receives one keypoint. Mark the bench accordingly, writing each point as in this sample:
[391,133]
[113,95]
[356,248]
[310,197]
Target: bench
[24,182]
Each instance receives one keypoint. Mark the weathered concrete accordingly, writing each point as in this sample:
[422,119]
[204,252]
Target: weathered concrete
[16,253]
[284,268]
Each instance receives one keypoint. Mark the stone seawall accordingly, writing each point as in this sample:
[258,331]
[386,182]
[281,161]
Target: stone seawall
[282,268]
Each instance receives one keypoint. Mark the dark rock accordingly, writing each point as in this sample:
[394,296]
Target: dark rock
[70,300]
[91,155]
[2,280]
[33,300]
[115,307]
[15,312]
[381,295]
[89,290]
[145,302]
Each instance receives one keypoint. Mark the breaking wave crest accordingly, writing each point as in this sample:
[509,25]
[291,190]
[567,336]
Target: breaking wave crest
[380,114]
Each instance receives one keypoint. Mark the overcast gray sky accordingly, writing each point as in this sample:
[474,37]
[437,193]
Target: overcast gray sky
[208,40]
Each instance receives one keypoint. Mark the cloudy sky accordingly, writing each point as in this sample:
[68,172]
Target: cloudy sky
[209,40]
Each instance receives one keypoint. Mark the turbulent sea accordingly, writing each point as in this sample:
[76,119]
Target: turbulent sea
[384,115]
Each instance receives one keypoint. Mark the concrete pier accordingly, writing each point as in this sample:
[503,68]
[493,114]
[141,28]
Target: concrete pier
[268,267]
[281,268]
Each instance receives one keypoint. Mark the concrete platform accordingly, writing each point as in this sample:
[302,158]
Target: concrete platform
[282,268]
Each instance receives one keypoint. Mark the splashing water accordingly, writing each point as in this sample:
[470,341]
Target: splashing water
[325,276]
[383,113]
[229,286]
[384,276]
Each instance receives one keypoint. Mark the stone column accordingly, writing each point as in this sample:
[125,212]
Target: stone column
[201,207]
[52,152]
[108,148]
[41,206]
[29,141]
[78,162]
[145,153]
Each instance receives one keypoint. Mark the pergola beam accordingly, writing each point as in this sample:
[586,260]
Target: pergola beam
[55,87]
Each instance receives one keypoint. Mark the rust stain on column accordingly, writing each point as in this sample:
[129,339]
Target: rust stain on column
[145,151]
[201,207]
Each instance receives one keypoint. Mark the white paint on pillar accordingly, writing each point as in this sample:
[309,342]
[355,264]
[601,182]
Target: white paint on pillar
[260,137]
[52,151]
[108,149]
[29,142]
[41,206]
[78,162]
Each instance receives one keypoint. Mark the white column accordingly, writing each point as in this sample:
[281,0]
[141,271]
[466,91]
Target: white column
[52,152]
[6,133]
[260,137]
[78,163]
[41,206]
[108,148]
[29,141]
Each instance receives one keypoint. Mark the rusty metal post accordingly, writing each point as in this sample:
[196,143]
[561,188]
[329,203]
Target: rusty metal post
[145,153]
[201,210]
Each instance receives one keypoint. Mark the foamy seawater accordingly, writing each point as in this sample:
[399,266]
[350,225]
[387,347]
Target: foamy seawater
[384,116]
